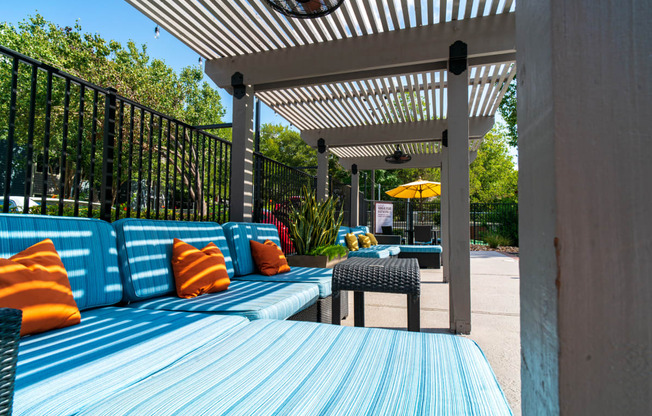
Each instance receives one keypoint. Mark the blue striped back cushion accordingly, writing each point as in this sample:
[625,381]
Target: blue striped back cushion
[363,229]
[238,235]
[340,235]
[87,248]
[145,252]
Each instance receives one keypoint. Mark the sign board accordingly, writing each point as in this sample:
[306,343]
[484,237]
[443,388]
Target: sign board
[383,216]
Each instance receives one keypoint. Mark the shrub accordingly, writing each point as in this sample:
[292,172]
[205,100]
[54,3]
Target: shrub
[314,223]
[331,251]
[495,240]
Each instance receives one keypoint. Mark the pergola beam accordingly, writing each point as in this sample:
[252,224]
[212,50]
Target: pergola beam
[418,162]
[392,133]
[384,53]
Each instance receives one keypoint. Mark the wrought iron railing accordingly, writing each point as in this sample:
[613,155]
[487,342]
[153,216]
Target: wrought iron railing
[78,149]
[276,187]
[485,218]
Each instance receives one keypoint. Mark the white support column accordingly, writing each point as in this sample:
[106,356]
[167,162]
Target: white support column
[322,174]
[445,210]
[458,181]
[354,217]
[584,135]
[241,196]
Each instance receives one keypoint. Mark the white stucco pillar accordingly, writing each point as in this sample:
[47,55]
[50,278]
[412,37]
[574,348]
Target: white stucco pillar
[585,229]
[322,174]
[354,219]
[241,195]
[458,189]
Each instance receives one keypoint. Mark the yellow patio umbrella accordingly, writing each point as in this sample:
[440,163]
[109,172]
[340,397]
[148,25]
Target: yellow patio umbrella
[419,189]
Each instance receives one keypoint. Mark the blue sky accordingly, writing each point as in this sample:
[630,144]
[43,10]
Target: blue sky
[115,19]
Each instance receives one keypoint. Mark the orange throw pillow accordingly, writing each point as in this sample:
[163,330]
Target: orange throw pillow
[36,282]
[197,272]
[269,258]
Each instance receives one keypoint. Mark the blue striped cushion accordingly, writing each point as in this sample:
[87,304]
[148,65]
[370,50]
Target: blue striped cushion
[301,368]
[238,235]
[321,277]
[393,250]
[370,252]
[63,371]
[145,251]
[420,249]
[87,248]
[363,229]
[343,231]
[253,300]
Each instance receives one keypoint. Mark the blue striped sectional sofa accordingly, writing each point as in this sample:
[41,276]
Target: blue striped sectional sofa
[140,351]
[427,255]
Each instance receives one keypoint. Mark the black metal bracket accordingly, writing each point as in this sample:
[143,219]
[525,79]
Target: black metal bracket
[457,61]
[354,169]
[444,138]
[237,82]
[321,145]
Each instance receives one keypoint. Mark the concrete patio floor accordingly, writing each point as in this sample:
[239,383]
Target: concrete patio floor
[494,307]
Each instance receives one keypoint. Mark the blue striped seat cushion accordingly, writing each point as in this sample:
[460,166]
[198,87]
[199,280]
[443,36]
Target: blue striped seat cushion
[238,235]
[393,250]
[372,251]
[145,252]
[61,372]
[343,231]
[87,249]
[420,249]
[253,300]
[321,277]
[301,368]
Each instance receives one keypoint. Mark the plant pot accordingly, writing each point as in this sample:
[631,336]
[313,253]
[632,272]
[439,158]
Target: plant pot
[313,261]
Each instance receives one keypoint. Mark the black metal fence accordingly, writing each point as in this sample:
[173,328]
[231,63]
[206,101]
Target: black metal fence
[69,147]
[276,188]
[485,218]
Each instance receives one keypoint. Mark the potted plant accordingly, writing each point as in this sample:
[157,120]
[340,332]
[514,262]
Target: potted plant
[313,227]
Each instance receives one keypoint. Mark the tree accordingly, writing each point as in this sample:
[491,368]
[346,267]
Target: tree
[129,69]
[492,174]
[507,109]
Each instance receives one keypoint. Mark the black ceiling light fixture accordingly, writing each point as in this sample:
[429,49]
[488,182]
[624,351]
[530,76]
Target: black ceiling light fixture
[398,157]
[305,9]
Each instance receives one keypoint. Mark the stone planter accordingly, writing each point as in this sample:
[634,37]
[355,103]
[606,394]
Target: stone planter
[313,261]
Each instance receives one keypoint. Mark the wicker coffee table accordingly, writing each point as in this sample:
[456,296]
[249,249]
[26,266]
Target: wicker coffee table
[390,275]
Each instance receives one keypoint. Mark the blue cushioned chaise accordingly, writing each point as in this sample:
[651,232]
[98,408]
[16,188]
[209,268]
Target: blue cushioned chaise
[145,250]
[427,255]
[238,236]
[142,362]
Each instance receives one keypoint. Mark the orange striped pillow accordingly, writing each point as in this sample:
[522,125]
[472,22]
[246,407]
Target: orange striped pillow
[197,272]
[269,258]
[36,282]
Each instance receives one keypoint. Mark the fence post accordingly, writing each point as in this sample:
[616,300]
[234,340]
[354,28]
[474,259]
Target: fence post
[258,187]
[106,191]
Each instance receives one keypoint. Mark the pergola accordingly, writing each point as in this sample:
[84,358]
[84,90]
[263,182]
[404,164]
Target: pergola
[426,75]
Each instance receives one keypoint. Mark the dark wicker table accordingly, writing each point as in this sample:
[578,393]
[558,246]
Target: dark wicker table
[390,275]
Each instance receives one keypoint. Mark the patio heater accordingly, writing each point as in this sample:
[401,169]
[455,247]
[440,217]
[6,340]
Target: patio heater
[305,9]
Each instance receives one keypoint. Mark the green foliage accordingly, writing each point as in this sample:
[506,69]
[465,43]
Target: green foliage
[314,223]
[495,240]
[285,145]
[507,220]
[507,109]
[493,176]
[331,251]
[129,69]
